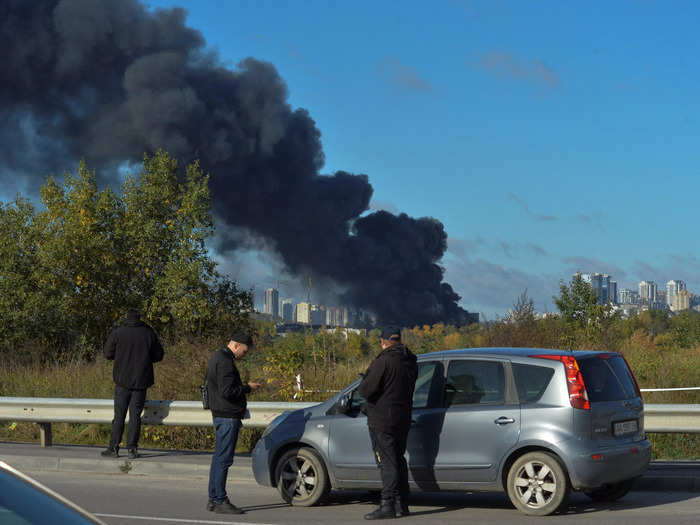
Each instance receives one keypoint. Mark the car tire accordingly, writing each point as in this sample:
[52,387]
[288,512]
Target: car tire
[302,479]
[611,491]
[538,484]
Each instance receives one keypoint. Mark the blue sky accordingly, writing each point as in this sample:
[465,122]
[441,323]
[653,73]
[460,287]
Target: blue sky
[547,136]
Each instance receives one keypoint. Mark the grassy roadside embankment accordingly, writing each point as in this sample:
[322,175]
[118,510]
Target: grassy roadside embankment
[179,375]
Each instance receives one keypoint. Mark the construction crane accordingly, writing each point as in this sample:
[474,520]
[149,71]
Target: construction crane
[308,297]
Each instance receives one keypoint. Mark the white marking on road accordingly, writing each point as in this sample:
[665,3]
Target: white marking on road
[175,520]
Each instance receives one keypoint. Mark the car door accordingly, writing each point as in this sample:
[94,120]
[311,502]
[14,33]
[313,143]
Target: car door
[426,424]
[350,448]
[481,421]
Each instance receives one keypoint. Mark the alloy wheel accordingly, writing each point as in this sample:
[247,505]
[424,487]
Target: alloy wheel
[298,477]
[535,484]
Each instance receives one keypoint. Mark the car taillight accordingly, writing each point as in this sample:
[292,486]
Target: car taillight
[578,397]
[629,368]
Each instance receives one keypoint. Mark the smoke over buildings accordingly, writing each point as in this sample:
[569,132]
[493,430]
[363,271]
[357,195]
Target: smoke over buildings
[110,80]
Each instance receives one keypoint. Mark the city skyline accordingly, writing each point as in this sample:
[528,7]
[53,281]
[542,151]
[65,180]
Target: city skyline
[606,288]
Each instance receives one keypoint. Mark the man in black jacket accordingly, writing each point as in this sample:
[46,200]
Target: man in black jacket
[134,347]
[388,388]
[227,401]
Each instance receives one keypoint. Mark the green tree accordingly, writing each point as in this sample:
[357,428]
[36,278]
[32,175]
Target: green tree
[79,270]
[685,329]
[70,270]
[21,314]
[586,322]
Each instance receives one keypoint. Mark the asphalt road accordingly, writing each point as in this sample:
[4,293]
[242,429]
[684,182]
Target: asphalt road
[120,500]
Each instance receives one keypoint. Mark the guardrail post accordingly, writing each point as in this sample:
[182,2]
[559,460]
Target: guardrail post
[45,434]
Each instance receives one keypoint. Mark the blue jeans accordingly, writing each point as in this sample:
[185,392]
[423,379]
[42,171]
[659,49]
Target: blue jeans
[226,436]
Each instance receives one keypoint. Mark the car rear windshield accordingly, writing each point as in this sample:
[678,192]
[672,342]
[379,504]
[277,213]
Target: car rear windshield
[531,381]
[607,378]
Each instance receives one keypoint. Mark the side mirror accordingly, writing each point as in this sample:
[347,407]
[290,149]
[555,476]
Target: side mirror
[344,404]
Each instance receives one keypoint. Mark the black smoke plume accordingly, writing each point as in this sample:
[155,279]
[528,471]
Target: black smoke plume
[109,80]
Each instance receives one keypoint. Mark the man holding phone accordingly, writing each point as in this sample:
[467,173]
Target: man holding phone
[227,402]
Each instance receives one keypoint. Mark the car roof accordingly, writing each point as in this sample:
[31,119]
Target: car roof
[506,352]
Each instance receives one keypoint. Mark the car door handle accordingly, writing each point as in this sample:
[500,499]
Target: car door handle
[504,420]
[415,424]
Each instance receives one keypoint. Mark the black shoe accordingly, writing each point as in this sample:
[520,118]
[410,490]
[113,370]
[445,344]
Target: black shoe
[384,512]
[401,507]
[134,453]
[210,505]
[226,507]
[110,453]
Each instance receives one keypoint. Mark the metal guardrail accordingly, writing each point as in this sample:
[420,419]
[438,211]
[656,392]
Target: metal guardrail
[672,418]
[44,411]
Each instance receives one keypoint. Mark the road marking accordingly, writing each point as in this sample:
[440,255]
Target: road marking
[175,520]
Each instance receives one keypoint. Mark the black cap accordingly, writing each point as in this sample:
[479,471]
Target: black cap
[391,332]
[241,337]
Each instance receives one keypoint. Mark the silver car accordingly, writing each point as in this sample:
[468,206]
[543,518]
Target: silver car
[531,422]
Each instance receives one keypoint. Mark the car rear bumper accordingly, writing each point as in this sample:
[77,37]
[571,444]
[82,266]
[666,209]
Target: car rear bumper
[610,465]
[261,462]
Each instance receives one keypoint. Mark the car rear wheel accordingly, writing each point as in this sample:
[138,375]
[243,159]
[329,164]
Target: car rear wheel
[611,491]
[302,479]
[537,484]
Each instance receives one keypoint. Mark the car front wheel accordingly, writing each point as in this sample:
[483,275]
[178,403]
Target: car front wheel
[611,491]
[302,479]
[537,484]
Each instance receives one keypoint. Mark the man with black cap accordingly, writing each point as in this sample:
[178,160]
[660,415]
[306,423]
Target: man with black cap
[388,388]
[227,401]
[134,347]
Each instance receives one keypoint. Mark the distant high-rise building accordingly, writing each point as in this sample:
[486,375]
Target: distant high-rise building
[288,310]
[318,314]
[672,289]
[627,296]
[681,301]
[612,292]
[333,315]
[661,298]
[647,292]
[272,305]
[601,285]
[303,313]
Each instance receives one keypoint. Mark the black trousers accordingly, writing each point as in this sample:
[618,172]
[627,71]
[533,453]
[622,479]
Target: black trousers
[133,400]
[389,449]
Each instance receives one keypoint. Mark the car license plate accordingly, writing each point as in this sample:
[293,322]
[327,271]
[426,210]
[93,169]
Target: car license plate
[625,427]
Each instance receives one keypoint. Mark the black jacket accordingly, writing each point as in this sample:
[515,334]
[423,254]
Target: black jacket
[226,390]
[388,388]
[134,346]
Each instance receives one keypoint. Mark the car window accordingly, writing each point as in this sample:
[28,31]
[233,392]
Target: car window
[428,390]
[623,375]
[472,381]
[607,379]
[531,381]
